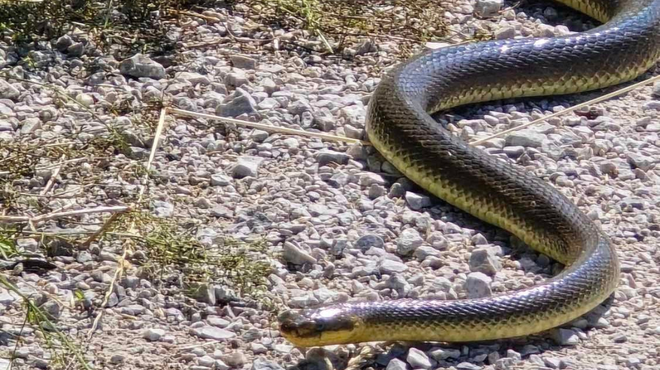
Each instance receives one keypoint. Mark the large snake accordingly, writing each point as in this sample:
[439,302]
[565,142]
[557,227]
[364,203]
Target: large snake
[399,125]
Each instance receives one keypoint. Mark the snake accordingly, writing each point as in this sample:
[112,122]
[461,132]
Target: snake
[399,124]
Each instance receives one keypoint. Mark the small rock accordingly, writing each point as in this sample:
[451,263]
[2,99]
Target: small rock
[408,241]
[552,362]
[418,359]
[263,364]
[390,267]
[292,254]
[241,103]
[246,166]
[484,260]
[656,90]
[259,135]
[467,366]
[117,359]
[487,8]
[8,91]
[153,335]
[368,241]
[506,32]
[477,285]
[566,337]
[396,364]
[370,178]
[526,138]
[325,157]
[243,62]
[212,332]
[441,354]
[416,201]
[142,66]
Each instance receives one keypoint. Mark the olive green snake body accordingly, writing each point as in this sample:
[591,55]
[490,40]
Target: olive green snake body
[400,127]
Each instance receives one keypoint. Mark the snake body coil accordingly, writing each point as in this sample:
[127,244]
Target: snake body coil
[401,129]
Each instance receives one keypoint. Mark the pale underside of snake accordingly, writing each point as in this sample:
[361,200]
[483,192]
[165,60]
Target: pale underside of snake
[399,125]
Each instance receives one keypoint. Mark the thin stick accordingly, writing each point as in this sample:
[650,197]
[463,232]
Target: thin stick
[269,128]
[159,132]
[53,177]
[122,260]
[570,109]
[102,230]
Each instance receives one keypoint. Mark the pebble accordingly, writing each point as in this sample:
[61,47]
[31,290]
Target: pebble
[566,337]
[212,332]
[396,364]
[418,359]
[293,254]
[417,201]
[142,66]
[525,138]
[246,166]
[477,285]
[408,241]
[484,260]
[487,8]
[153,335]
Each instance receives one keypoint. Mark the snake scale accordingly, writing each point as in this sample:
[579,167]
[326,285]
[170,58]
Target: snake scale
[400,127]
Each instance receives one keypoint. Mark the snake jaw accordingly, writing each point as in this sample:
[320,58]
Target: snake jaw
[318,327]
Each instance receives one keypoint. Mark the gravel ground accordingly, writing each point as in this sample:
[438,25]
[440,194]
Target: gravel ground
[337,222]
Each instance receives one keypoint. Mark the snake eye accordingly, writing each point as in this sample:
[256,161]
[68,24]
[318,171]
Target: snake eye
[320,326]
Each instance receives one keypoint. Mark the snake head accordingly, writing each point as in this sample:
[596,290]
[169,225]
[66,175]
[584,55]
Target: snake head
[318,327]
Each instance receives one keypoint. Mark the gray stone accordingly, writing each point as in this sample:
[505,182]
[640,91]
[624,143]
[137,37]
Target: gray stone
[417,201]
[506,32]
[552,362]
[52,309]
[477,285]
[236,78]
[153,335]
[6,298]
[565,337]
[408,241]
[162,209]
[246,166]
[396,364]
[484,260]
[142,66]
[292,254]
[117,359]
[367,241]
[641,161]
[656,90]
[259,135]
[652,105]
[219,179]
[487,8]
[8,91]
[526,138]
[418,359]
[240,103]
[240,61]
[390,267]
[194,78]
[421,253]
[441,354]
[467,366]
[369,178]
[63,43]
[325,157]
[269,86]
[212,332]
